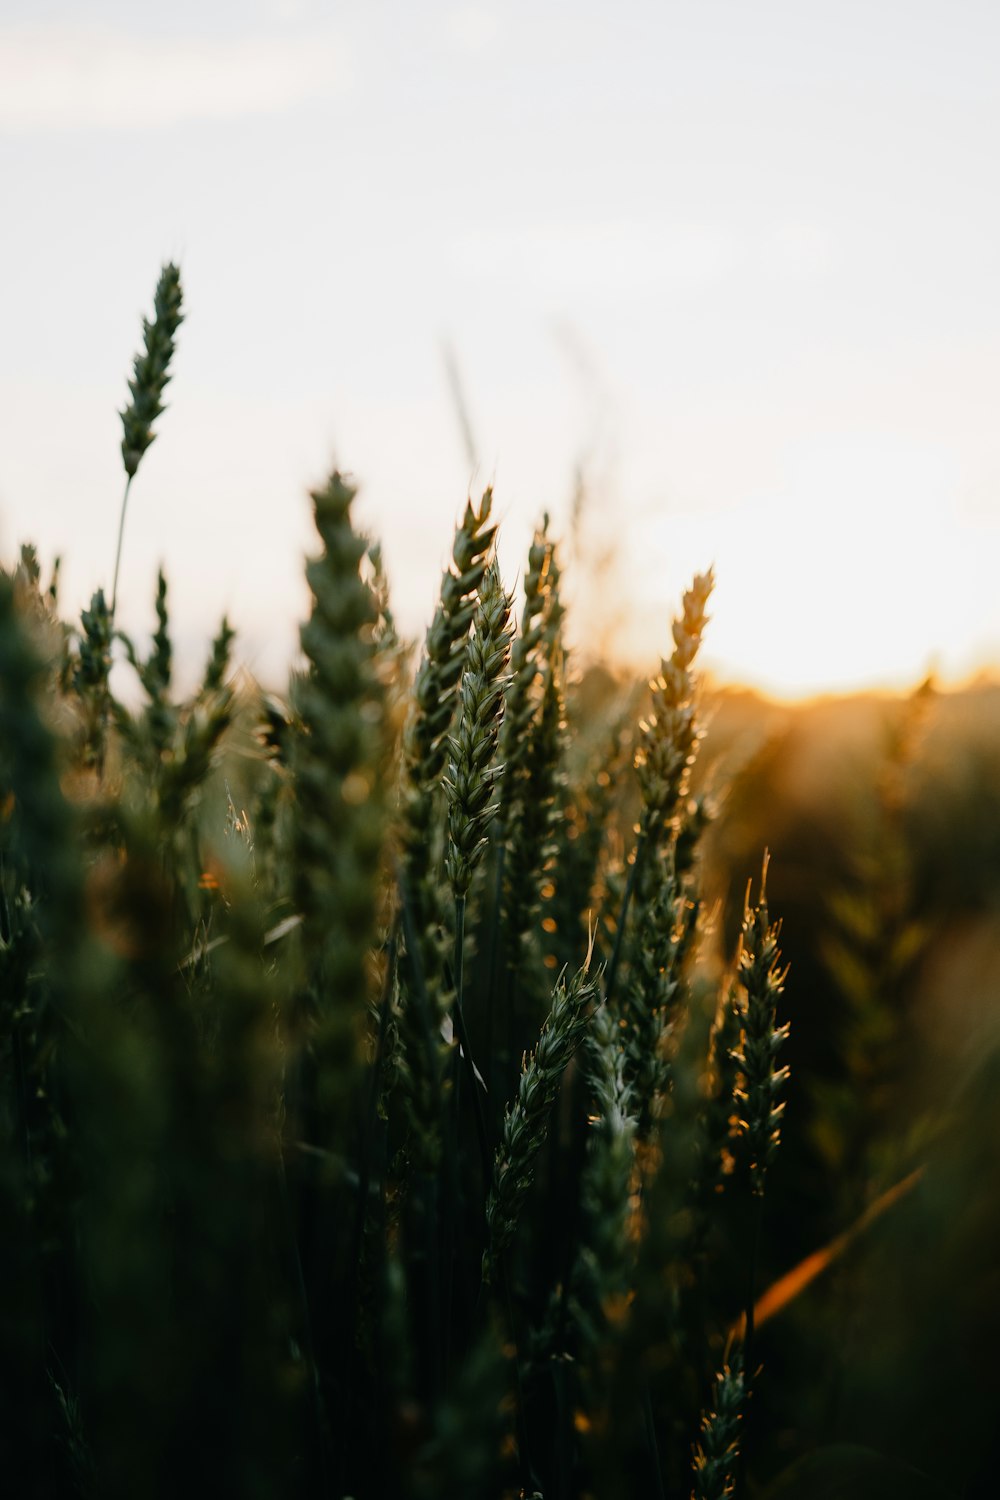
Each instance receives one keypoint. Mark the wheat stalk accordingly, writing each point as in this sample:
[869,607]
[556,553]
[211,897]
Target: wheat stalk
[664,755]
[716,1455]
[340,817]
[426,993]
[435,691]
[761,980]
[472,776]
[150,375]
[526,1121]
[669,734]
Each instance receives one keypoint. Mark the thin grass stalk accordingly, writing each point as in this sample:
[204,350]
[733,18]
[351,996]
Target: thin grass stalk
[118,547]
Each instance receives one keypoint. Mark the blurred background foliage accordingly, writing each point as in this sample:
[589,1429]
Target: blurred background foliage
[881,815]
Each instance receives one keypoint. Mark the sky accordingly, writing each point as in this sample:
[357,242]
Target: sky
[726,271]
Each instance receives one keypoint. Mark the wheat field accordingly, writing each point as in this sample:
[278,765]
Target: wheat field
[395,1069]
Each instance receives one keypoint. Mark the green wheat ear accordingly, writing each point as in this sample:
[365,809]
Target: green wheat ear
[150,370]
[716,1454]
[761,979]
[339,761]
[526,1119]
[472,775]
[150,374]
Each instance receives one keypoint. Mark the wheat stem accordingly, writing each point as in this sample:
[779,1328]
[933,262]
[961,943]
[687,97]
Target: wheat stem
[118,549]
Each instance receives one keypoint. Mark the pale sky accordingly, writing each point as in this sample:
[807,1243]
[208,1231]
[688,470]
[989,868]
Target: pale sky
[738,260]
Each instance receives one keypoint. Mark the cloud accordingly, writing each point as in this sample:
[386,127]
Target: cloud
[74,78]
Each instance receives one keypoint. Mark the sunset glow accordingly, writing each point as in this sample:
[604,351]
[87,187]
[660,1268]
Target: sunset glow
[665,268]
[855,589]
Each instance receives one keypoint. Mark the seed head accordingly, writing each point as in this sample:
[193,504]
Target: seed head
[472,776]
[761,980]
[150,370]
